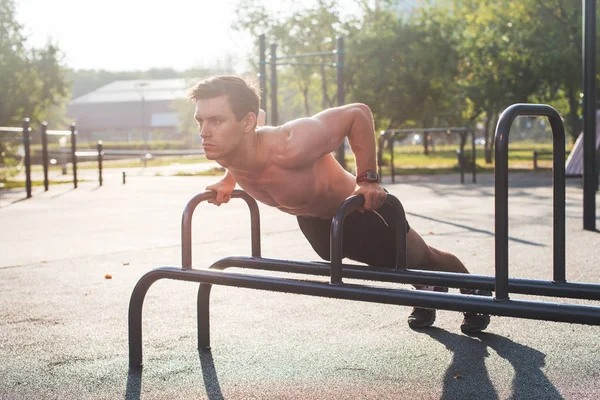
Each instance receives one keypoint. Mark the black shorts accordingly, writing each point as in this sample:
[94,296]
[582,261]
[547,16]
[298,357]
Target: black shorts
[367,238]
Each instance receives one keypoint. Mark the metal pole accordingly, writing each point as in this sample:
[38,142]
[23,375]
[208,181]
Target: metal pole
[473,157]
[590,180]
[100,154]
[26,145]
[73,155]
[339,63]
[262,75]
[45,154]
[274,113]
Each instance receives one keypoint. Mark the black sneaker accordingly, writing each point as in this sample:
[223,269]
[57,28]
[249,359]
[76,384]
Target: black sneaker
[474,322]
[424,317]
[421,317]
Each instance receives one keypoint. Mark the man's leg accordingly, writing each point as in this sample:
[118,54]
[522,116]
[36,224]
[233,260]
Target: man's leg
[424,257]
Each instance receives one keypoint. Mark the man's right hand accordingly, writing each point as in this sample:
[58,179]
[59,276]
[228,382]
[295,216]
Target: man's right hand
[223,189]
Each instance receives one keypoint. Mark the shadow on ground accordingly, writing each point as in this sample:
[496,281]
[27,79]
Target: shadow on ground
[467,375]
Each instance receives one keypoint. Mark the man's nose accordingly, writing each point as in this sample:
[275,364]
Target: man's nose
[204,131]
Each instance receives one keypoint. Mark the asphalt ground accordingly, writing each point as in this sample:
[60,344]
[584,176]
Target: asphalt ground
[63,324]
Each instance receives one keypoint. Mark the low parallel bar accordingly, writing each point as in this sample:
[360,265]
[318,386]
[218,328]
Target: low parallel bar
[455,302]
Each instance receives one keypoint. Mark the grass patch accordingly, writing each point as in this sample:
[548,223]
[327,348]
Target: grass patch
[218,171]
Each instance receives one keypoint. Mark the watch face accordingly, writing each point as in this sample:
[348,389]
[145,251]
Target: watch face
[372,176]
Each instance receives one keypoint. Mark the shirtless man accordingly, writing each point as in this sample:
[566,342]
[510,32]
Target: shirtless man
[291,167]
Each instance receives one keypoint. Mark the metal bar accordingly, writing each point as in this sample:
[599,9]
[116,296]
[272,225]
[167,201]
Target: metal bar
[100,154]
[44,134]
[58,133]
[308,64]
[455,302]
[572,290]
[73,154]
[590,180]
[262,48]
[341,95]
[8,129]
[27,147]
[274,111]
[501,188]
[350,205]
[315,54]
[430,130]
[186,223]
[392,139]
[473,156]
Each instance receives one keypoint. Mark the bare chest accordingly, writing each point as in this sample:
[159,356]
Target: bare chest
[290,190]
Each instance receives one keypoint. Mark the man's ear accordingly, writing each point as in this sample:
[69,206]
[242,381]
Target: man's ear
[249,122]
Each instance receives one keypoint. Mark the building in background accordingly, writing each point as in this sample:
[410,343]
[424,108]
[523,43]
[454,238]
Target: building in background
[133,110]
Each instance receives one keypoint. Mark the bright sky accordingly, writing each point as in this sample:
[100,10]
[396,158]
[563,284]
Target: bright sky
[135,34]
[138,34]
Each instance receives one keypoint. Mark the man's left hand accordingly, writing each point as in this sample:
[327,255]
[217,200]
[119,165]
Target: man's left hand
[373,193]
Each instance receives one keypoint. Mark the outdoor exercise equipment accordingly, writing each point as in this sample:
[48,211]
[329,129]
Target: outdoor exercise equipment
[274,61]
[501,304]
[391,135]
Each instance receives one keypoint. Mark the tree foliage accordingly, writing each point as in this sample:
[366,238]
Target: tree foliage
[32,79]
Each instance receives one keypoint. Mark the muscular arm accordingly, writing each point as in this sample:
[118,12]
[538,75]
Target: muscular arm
[308,139]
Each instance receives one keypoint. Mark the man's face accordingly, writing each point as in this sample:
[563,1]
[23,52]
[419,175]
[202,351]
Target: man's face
[221,133]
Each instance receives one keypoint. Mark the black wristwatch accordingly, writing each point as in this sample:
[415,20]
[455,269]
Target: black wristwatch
[368,176]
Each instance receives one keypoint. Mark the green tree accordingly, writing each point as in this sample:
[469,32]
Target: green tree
[32,80]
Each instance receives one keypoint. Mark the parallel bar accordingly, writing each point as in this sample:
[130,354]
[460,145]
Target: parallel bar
[571,290]
[394,132]
[501,191]
[186,223]
[430,130]
[590,180]
[455,302]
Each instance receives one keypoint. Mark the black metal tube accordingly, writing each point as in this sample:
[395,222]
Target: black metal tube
[262,74]
[100,156]
[341,95]
[473,156]
[135,317]
[302,55]
[186,223]
[349,206]
[590,180]
[27,147]
[337,235]
[501,188]
[203,316]
[572,290]
[559,312]
[274,111]
[73,155]
[45,154]
[391,144]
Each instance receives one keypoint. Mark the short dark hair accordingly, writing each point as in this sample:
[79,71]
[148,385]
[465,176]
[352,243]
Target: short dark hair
[242,96]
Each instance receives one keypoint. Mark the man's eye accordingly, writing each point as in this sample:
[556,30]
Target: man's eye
[217,121]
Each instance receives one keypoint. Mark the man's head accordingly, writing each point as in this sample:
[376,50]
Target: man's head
[226,111]
[242,97]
